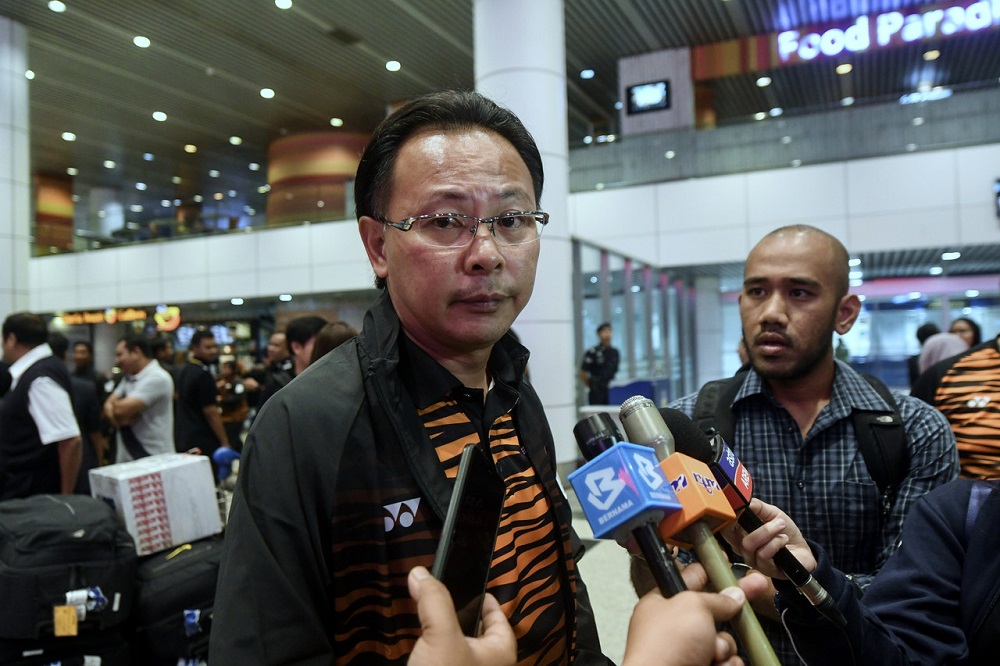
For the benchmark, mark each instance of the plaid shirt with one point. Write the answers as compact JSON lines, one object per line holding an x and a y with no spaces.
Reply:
{"x":821,"y":481}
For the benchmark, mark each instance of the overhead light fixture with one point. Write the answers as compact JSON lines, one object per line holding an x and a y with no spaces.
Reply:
{"x":148,"y":157}
{"x":190,"y":148}
{"x":165,"y":203}
{"x":197,"y":198}
{"x":284,"y":298}
{"x":337,"y":122}
{"x":847,"y":101}
{"x":670,"y":154}
{"x":266,"y":93}
{"x":854,"y":262}
{"x":159,"y":116}
{"x":588,"y":139}
{"x":796,"y":163}
{"x":855,"y":275}
{"x":253,"y":166}
{"x":140,"y":186}
{"x":218,"y":196}
{"x":936,"y":270}
{"x":776,"y":111}
{"x":214,"y":173}
{"x":68,"y":136}
{"x":235,"y":140}
{"x":176,"y":180}
{"x":28,"y":74}
{"x":760,"y":115}
{"x":109,"y":164}
{"x":763,"y":81}
{"x":393,"y":66}
{"x":786,"y":139}
{"x":918,"y":121}
{"x":619,"y":106}
{"x":915,"y":295}
{"x":856,"y":283}
{"x":586,"y":74}
{"x":283,"y":4}
{"x":910,"y":147}
{"x":971,"y":293}
{"x":232,"y":194}
{"x":933,"y":54}
{"x":57,"y":7}
{"x":177,"y":202}
{"x":72,"y":171}
{"x":236,"y":301}
{"x":950,"y":256}
{"x":263,"y":189}
{"x":845,"y":68}
{"x":135,"y":208}
{"x":141,"y":42}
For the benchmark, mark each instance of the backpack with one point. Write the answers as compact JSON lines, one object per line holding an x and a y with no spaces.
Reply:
{"x":881,"y":435}
{"x":985,"y":640}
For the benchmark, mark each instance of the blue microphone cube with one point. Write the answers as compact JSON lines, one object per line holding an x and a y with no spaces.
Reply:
{"x":621,"y":485}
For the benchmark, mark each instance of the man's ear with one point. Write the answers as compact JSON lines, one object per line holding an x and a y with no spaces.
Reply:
{"x":373,"y":236}
{"x":847,"y":313}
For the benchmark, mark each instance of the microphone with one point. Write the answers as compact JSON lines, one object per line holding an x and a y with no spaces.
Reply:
{"x":705,"y":507}
{"x":623,"y":490}
{"x":737,"y":485}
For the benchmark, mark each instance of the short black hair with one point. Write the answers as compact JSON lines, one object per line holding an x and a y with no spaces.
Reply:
{"x":29,"y":328}
{"x":133,"y":342}
{"x":302,"y":329}
{"x":449,"y":110}
{"x":199,"y":335}
{"x":603,"y":326}
{"x":925,"y":331}
{"x":90,"y":347}
{"x":59,"y":344}
{"x":159,"y":343}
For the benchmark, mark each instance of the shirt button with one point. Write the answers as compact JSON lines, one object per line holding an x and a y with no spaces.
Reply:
{"x":801,"y":484}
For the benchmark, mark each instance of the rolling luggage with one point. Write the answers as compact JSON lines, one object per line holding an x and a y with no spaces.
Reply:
{"x":60,"y":556}
{"x":107,"y":648}
{"x":176,"y":596}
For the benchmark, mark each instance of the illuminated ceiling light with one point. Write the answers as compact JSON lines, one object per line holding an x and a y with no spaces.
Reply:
{"x":933,"y":54}
{"x":165,"y":203}
{"x":266,"y":93}
{"x":393,"y":66}
{"x":72,"y":171}
{"x":232,"y":194}
{"x":28,"y":74}
{"x":197,"y":198}
{"x":177,"y":202}
{"x":856,"y":283}
{"x":971,"y":293}
{"x":619,"y":106}
{"x":586,"y":74}
{"x":148,"y":157}
{"x":855,"y":275}
{"x":68,"y":136}
{"x":135,"y":208}
{"x":249,"y":211}
{"x":786,"y":139}
{"x":214,"y":173}
{"x":610,"y":137}
{"x":936,"y":270}
{"x":263,"y":189}
{"x":760,"y":115}
{"x":763,"y":81}
{"x":218,"y":196}
{"x":236,"y":301}
{"x":253,"y":166}
{"x":796,"y":163}
{"x":109,"y":164}
{"x":918,"y":121}
{"x":593,"y":279}
{"x":141,"y":42}
{"x":284,"y":298}
{"x":283,"y":4}
{"x":588,"y":139}
{"x":235,"y":140}
{"x":776,"y":111}
{"x":845,"y":68}
{"x":159,"y":116}
{"x":915,"y":295}
{"x":847,"y":101}
{"x":140,"y":186}
{"x":924,"y":86}
{"x":57,"y":7}
{"x":854,"y":262}
{"x":76,"y":199}
{"x":599,"y":186}
{"x":190,"y":148}
{"x":670,"y":154}
{"x":337,"y":122}
{"x":950,"y":256}
{"x":176,"y":180}
{"x":862,"y":297}
{"x":910,"y":147}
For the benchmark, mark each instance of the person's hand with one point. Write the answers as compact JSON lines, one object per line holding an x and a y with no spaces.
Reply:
{"x":443,"y":643}
{"x":759,"y":547}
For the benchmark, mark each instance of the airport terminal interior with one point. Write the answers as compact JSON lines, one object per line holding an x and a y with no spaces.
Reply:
{"x":170,"y":166}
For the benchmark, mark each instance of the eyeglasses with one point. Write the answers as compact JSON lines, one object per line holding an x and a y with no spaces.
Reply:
{"x":457,"y":230}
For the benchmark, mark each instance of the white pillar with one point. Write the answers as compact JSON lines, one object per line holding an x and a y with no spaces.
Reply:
{"x":15,"y":169}
{"x":520,"y":63}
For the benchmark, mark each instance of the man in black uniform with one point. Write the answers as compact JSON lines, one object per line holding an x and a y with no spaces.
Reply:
{"x":197,"y":421}
{"x":600,"y":364}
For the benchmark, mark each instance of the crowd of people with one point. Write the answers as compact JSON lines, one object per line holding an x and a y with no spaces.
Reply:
{"x":348,"y":469}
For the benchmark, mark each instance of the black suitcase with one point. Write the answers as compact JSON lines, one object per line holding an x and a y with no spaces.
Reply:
{"x":106,"y":649}
{"x":175,"y":599}
{"x":58,"y":550}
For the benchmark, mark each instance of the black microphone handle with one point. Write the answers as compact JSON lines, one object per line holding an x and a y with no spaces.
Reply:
{"x":661,"y":562}
{"x":808,"y":586}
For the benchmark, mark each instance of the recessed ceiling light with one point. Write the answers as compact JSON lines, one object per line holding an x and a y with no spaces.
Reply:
{"x":910,"y":147}
{"x":619,"y":106}
{"x":847,"y":101}
{"x":232,"y":194}
{"x":763,"y":81}
{"x":135,"y":208}
{"x":176,"y":180}
{"x":197,"y":198}
{"x":337,"y":122}
{"x":218,"y":196}
{"x":950,"y":256}
{"x":68,"y":136}
{"x":796,"y":163}
{"x":266,"y":93}
{"x":159,"y":116}
{"x":72,"y":171}
{"x":393,"y":65}
{"x":933,"y":54}
{"x":856,"y":283}
{"x":254,"y":166}
{"x":936,"y":270}
{"x":57,"y":7}
{"x":177,"y":202}
{"x":263,"y":189}
{"x":109,"y":164}
{"x":165,"y":203}
{"x":915,"y":295}
{"x":971,"y":293}
{"x":845,"y":68}
{"x":283,"y":4}
{"x":760,"y":115}
{"x":917,"y":121}
{"x":776,"y":111}
{"x":588,"y":139}
{"x":140,"y":186}
{"x":190,"y":148}
{"x":28,"y":74}
{"x":235,"y":140}
{"x":284,"y":298}
{"x":214,"y":173}
{"x":586,"y":74}
{"x":855,"y":275}
{"x":141,"y":42}
{"x":786,"y":139}
{"x":854,"y":262}
{"x":148,"y":157}
{"x":670,"y":154}
{"x":236,"y":301}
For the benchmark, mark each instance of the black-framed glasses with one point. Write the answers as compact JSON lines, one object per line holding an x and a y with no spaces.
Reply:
{"x":458,"y":230}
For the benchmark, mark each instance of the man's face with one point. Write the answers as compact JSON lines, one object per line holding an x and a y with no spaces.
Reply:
{"x":277,"y":350}
{"x":127,"y":360}
{"x":81,"y":356}
{"x":166,"y":352}
{"x":453,"y":301}
{"x":789,"y":305}
{"x":304,"y":352}
{"x":605,"y":336}
{"x":206,"y":351}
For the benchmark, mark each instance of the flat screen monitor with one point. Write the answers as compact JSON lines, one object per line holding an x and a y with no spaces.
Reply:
{"x":652,"y":96}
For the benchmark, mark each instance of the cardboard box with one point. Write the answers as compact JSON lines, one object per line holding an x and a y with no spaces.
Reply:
{"x":165,"y":500}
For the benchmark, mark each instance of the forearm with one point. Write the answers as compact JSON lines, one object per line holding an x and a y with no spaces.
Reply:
{"x":215,"y":423}
{"x":69,"y":464}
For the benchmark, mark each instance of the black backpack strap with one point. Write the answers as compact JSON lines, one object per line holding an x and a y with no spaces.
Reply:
{"x":712,"y":407}
{"x":882,"y":442}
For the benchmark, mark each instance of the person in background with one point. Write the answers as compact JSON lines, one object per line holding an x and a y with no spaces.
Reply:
{"x":83,"y":367}
{"x":600,"y":365}
{"x":913,"y":363}
{"x":939,"y":347}
{"x":162,"y":349}
{"x":198,"y":424}
{"x":330,"y":337}
{"x":968,"y":330}
{"x":39,"y":436}
{"x":232,"y":402}
{"x":301,"y":336}
{"x":142,"y":405}
{"x":278,"y":367}
{"x":86,"y":408}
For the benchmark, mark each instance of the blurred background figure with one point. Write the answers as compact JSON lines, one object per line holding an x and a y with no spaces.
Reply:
{"x":913,"y":363}
{"x":233,"y":402}
{"x":939,"y":347}
{"x":968,"y":330}
{"x":87,"y":409}
{"x":330,"y":337}
{"x":83,"y":368}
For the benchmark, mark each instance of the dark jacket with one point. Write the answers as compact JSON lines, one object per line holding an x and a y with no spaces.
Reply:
{"x":339,"y":495}
{"x":928,"y":600}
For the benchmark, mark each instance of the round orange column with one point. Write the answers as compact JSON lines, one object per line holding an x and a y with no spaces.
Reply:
{"x":307,"y":174}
